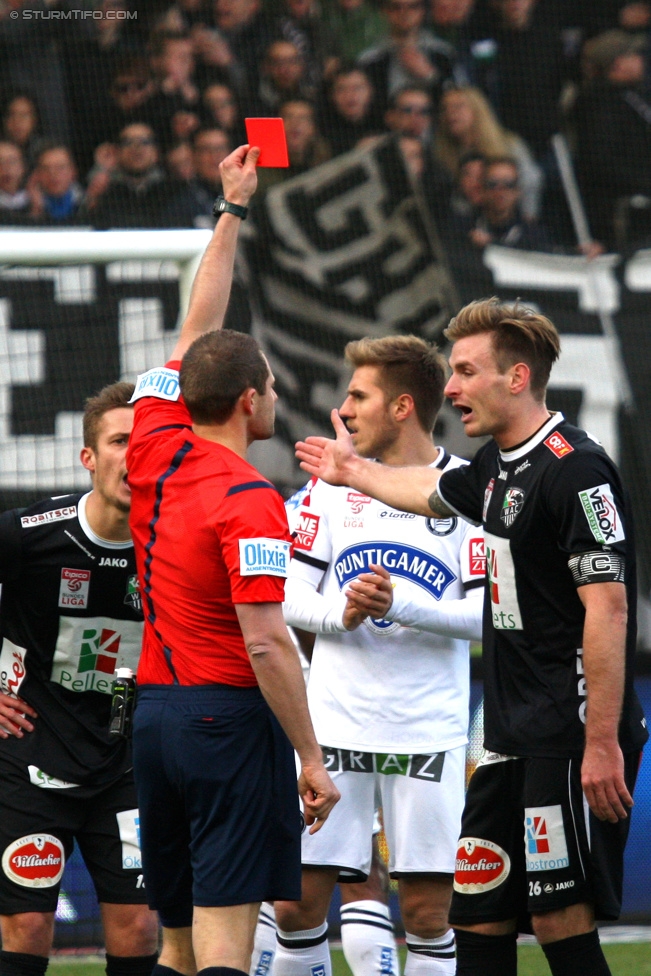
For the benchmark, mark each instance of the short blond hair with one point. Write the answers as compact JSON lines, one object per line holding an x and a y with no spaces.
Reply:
{"x":519,"y":335}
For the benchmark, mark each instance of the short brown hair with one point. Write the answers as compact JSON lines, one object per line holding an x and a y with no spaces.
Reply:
{"x":215,"y":371}
{"x":408,"y":365}
{"x":519,"y":335}
{"x":109,"y":398}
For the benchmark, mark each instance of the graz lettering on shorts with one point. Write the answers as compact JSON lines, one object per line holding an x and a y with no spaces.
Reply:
{"x":264,"y":557}
{"x":428,"y":768}
{"x":34,"y":861}
{"x":159,"y":382}
{"x":480,"y":866}
{"x":56,"y":515}
{"x":407,"y":562}
{"x":601,"y":512}
{"x":597,"y":567}
{"x":544,"y":837}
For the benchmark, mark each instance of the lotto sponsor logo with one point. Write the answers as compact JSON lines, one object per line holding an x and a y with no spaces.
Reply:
{"x":602,"y":514}
{"x":160,"y":382}
{"x":480,"y":866}
{"x":56,"y":515}
{"x":306,"y":530}
{"x":264,"y":557}
{"x":558,"y":445}
{"x":403,"y":561}
{"x":477,"y":557}
{"x":99,"y":650}
{"x":34,"y":861}
{"x":74,"y":587}
{"x":544,"y":835}
{"x":357,"y":501}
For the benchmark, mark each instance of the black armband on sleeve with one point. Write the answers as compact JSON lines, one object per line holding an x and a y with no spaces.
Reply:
{"x":597,"y":567}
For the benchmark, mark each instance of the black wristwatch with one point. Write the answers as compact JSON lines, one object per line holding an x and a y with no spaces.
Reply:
{"x":221,"y":206}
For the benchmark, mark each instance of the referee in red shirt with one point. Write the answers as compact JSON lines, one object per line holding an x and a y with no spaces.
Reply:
{"x":221,"y":698}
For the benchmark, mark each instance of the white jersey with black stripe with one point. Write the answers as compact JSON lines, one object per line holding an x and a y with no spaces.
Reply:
{"x":383,"y":687}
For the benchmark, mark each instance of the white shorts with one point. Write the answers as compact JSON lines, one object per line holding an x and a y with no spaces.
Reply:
{"x":421,"y":799}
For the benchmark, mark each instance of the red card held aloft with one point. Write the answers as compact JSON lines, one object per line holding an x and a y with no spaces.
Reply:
{"x":269,"y":135}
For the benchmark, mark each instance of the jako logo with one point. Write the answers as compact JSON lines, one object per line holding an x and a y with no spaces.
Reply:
{"x":536,"y":832}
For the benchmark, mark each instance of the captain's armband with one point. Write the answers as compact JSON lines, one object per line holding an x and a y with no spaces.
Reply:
{"x":438,"y":506}
{"x":597,"y":567}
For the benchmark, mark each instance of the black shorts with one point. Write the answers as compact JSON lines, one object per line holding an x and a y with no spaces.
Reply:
{"x":529,"y":843}
{"x":220,"y":818}
{"x":38,"y":827}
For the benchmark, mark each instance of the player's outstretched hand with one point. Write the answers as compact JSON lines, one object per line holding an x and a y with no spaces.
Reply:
{"x":370,"y":595}
{"x":14,"y":716}
{"x":318,"y":793}
{"x":329,"y":460}
{"x":239,"y":175}
{"x":602,"y":779}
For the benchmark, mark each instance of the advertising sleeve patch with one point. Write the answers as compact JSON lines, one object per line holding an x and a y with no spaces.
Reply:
{"x":601,"y":512}
{"x":264,"y":557}
{"x":480,"y":866}
{"x":160,"y":382}
{"x":544,"y":838}
{"x":306,"y":530}
{"x":558,"y":445}
{"x":34,"y":861}
{"x":477,"y":557}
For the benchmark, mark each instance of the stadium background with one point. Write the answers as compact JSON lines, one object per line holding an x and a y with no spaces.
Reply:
{"x":359,"y":243}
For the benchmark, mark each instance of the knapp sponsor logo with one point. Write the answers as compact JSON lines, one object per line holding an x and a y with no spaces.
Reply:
{"x":160,"y":382}
{"x":306,"y":530}
{"x":34,"y":861}
{"x":407,"y":562}
{"x":73,"y":590}
{"x":56,"y":515}
{"x":558,"y":445}
{"x":602,"y":515}
{"x":480,"y":866}
{"x":264,"y":557}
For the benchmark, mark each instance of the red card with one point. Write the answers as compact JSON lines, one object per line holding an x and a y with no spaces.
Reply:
{"x":269,"y":135}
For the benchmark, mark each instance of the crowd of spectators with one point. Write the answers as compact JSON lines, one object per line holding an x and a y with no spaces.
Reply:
{"x":120,"y":119}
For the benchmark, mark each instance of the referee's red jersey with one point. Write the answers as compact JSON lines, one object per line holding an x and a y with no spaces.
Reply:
{"x":209,"y":532}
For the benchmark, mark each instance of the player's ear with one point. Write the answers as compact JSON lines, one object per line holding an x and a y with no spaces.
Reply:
{"x":87,"y":458}
{"x":247,"y":400}
{"x":520,"y":377}
{"x":403,"y":406}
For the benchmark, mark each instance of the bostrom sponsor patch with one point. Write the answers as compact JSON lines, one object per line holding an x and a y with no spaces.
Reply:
{"x":602,"y":514}
{"x":544,"y":839}
{"x":55,"y":515}
{"x":160,"y":382}
{"x":73,"y":590}
{"x":480,"y":866}
{"x":34,"y":861}
{"x":129,"y":828}
{"x":306,"y":530}
{"x":558,"y":445}
{"x":264,"y":557}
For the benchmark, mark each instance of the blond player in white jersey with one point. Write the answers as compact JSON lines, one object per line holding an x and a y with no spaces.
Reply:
{"x":394,"y":600}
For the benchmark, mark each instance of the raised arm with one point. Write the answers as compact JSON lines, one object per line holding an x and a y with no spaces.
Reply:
{"x":212,"y":284}
{"x":335,"y":461}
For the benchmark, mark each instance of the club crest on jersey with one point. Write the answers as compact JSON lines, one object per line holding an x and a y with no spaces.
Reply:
{"x":264,"y":557}
{"x":34,"y":861}
{"x":73,"y":590}
{"x":480,"y":866}
{"x":442,"y":526}
{"x":357,"y":501}
{"x":132,"y":598}
{"x":545,"y":844}
{"x":558,"y":445}
{"x":487,"y":498}
{"x":401,"y":560}
{"x":602,"y":515}
{"x":512,"y":505}
{"x":159,"y":382}
{"x":306,"y":530}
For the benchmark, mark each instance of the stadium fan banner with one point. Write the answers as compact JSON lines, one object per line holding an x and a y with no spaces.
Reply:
{"x":340,"y":252}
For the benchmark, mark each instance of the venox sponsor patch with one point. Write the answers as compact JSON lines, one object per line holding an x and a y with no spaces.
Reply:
{"x":407,"y":562}
{"x":480,"y":866}
{"x":601,"y":512}
{"x":264,"y":557}
{"x":34,"y":861}
{"x":55,"y":515}
{"x":159,"y":382}
{"x":544,"y":838}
